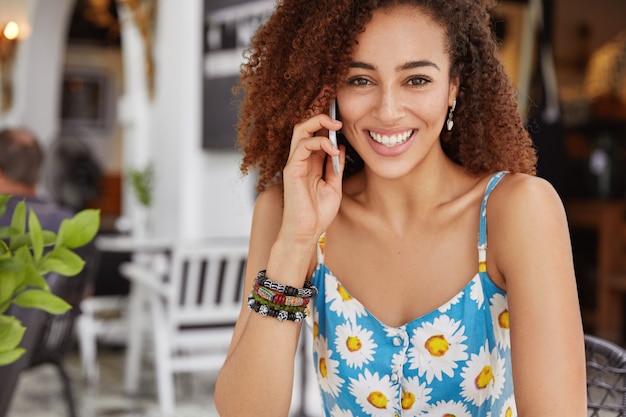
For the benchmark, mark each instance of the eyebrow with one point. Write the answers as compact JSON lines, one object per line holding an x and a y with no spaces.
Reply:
{"x":403,"y":67}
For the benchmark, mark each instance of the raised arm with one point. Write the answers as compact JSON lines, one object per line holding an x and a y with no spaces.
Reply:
{"x":257,"y":377}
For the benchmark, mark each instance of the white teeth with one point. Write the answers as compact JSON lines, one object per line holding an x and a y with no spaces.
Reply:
{"x":391,"y":140}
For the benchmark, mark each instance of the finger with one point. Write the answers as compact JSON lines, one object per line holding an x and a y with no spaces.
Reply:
{"x":310,"y":153}
{"x":316,"y":125}
{"x":332,"y":177}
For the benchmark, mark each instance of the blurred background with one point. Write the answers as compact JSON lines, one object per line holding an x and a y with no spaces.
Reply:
{"x":120,"y":92}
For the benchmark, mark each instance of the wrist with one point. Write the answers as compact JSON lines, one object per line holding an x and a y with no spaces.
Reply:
{"x":289,"y":261}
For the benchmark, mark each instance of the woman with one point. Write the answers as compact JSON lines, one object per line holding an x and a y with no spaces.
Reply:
{"x":413,"y":315}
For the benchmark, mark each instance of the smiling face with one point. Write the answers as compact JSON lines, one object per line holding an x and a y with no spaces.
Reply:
{"x":395,"y":98}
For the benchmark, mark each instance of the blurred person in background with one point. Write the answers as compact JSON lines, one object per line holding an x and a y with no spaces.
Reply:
{"x":21,"y":160}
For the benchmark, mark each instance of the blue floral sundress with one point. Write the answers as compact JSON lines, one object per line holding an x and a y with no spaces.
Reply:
{"x":453,"y":361}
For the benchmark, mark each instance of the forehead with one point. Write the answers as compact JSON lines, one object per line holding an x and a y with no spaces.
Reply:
{"x":401,"y":33}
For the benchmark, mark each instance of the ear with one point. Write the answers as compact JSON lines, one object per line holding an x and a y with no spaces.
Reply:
{"x":453,"y":90}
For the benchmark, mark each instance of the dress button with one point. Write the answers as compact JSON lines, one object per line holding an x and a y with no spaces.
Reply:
{"x":397,"y":341}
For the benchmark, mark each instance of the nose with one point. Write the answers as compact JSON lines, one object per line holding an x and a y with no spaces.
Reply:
{"x":389,"y":106}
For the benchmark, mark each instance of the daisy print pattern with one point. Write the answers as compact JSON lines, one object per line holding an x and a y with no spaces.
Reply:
{"x":415,"y":396}
{"x":375,"y":395}
{"x":338,"y":412}
{"x":447,"y":408}
{"x":355,"y":345}
{"x":341,"y":301}
{"x":437,"y":347}
{"x":500,"y":315}
{"x":452,"y":361}
{"x":450,"y":303}
{"x":476,"y":293}
{"x":509,"y":409}
{"x":327,"y":372}
{"x":483,"y":377}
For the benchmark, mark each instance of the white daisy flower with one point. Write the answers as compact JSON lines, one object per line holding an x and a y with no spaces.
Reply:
{"x":397,"y":361}
{"x":338,"y":412}
{"x":499,"y":308}
{"x":315,"y":328}
{"x":415,"y":396}
{"x":340,"y":301}
{"x":509,"y":409}
{"x":447,"y":306}
{"x":376,"y":396}
{"x":476,"y":293}
{"x":437,"y":347}
{"x":447,"y":408}
{"x":327,"y":372}
{"x":483,"y":377}
{"x":355,"y":344}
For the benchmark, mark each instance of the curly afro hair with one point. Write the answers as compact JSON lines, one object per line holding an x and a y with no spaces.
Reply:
{"x":297,"y":57}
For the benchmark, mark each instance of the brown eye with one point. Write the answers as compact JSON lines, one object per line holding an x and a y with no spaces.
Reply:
{"x":417,"y":81}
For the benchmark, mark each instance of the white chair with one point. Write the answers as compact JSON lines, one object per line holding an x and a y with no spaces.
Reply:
{"x":102,"y":317}
{"x":194,"y":303}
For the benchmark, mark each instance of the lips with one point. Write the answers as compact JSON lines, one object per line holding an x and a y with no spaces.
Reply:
{"x":391,"y":140}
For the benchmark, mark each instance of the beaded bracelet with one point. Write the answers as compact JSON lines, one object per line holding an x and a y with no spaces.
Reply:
{"x":275,"y":306}
{"x":281,"y":315}
{"x":280,"y":298}
{"x":308,"y":291}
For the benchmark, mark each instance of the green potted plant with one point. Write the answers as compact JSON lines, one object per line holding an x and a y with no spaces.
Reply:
{"x":142,"y":184}
{"x":25,"y":258}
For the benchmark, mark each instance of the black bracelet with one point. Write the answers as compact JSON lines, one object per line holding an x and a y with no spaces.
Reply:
{"x":281,"y":315}
{"x":308,"y":291}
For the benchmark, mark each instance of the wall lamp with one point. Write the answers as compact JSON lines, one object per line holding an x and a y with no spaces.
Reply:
{"x":8,"y":46}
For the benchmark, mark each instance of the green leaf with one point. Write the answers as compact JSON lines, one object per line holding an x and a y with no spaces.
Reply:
{"x":8,"y":231}
{"x":10,"y":356}
{"x":11,"y":333}
{"x":9,"y":270}
{"x":80,"y":229}
{"x":18,"y":221}
{"x":61,"y":260}
{"x":36,"y":235}
{"x":4,"y":249}
{"x":42,"y":300}
{"x":49,"y":237}
{"x":32,"y":278}
{"x":4,"y":198}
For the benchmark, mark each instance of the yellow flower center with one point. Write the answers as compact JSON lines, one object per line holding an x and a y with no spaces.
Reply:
{"x":377,"y":399}
{"x":508,"y":412}
{"x":323,"y":369}
{"x":503,"y":319}
{"x":449,"y":415}
{"x":353,"y":343}
{"x":437,"y":345}
{"x":484,"y":378}
{"x":343,"y":293}
{"x":408,"y":400}
{"x":316,"y":329}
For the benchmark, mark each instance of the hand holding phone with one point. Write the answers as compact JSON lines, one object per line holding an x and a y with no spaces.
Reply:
{"x":332,"y":135}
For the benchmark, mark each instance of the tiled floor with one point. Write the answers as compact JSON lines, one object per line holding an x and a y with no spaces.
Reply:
{"x":39,"y":392}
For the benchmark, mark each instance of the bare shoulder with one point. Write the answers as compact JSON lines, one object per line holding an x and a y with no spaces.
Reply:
{"x":520,"y":196}
{"x":527,"y":226}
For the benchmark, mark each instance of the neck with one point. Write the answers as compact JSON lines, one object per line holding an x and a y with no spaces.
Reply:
{"x":13,"y":188}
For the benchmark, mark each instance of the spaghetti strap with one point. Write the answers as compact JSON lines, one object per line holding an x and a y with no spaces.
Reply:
{"x":482,"y":232}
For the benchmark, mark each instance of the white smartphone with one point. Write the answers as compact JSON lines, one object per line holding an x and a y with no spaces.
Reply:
{"x":332,"y":134}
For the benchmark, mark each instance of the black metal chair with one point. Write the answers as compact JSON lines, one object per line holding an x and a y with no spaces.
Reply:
{"x":49,"y":337}
{"x":606,"y":378}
